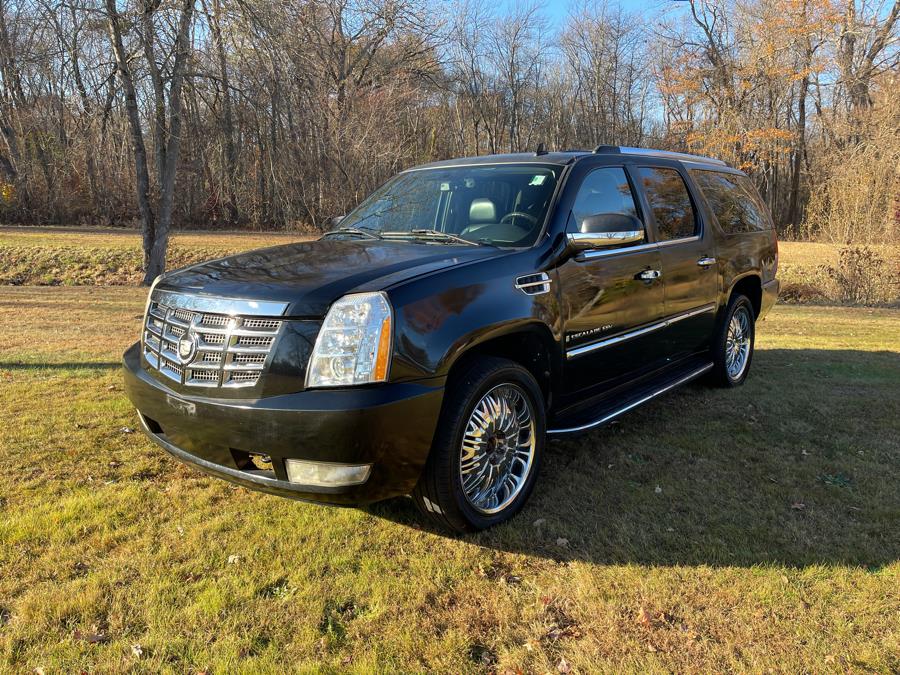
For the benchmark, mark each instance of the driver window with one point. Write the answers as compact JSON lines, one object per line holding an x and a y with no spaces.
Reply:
{"x":604,"y":190}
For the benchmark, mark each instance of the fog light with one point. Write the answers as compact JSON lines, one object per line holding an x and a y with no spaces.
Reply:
{"x":326,"y":474}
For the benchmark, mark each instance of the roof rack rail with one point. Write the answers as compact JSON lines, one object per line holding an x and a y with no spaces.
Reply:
{"x":658,"y":153}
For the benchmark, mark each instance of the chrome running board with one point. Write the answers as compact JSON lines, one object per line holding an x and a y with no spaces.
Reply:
{"x":634,"y":404}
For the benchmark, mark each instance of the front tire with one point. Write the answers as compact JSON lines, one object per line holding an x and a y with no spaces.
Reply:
{"x":488,"y":447}
{"x":734,"y":342}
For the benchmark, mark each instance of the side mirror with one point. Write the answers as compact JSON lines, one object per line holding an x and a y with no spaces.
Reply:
{"x":607,"y":229}
{"x":337,"y":220}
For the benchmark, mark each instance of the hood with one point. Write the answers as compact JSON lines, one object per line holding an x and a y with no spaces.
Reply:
{"x":311,"y":275}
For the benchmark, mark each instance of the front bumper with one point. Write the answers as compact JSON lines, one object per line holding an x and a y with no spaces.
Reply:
{"x":769,"y":297}
{"x":390,"y":426}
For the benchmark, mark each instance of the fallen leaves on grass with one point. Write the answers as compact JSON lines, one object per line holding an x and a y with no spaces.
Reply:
{"x":653,"y":620}
{"x":92,"y":638}
{"x":557,"y":633}
{"x":562,"y":626}
{"x":643,"y":618}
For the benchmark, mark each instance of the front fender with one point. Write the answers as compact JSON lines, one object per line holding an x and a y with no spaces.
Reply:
{"x":440,"y":317}
{"x":518,"y":327}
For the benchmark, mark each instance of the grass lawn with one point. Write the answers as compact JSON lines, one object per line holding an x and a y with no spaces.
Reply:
{"x":710,"y":530}
{"x":55,"y":256}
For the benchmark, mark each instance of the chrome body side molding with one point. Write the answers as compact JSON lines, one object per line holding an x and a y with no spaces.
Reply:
{"x":668,"y":321}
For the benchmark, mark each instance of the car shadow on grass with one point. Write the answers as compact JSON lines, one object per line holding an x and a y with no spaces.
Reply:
{"x":798,"y":467}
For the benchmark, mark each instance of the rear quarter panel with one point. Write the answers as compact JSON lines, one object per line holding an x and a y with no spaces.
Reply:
{"x":746,"y":253}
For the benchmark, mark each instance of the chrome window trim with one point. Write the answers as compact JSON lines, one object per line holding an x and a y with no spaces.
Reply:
{"x":682,"y":240}
{"x":603,"y":253}
{"x":634,"y":404}
{"x":624,"y":337}
{"x":229,"y":306}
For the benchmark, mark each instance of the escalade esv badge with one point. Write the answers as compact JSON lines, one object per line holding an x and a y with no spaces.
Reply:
{"x":402,"y":354}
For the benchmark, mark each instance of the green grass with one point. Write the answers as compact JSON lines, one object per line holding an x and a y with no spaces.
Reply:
{"x":711,"y":530}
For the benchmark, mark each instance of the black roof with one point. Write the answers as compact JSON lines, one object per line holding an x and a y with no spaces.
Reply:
{"x":560,"y":158}
{"x":568,"y":156}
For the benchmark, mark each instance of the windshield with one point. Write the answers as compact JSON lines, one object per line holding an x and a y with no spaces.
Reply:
{"x":500,"y":205}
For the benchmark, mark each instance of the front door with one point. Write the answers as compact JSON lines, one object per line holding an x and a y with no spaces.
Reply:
{"x":687,"y":254}
{"x":612,"y":299}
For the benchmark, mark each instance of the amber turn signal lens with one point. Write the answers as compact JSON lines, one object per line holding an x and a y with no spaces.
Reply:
{"x":384,"y":351}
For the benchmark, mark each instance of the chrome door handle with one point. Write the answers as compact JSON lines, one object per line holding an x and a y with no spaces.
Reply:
{"x":650,"y":275}
{"x":706,"y":262}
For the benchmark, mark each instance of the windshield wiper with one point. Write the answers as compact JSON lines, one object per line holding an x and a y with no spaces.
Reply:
{"x":436,"y":234}
{"x":364,"y":231}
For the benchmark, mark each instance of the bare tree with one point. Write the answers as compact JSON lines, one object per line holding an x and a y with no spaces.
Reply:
{"x":282,"y":114}
{"x":156,"y":217}
{"x":602,"y":49}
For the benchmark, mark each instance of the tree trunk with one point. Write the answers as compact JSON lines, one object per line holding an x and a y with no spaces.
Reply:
{"x":152,"y":267}
{"x":173,"y":144}
{"x":794,"y":211}
{"x":227,"y":126}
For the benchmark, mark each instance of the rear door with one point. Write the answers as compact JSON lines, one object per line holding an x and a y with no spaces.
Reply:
{"x":611,"y":299}
{"x":687,"y":254}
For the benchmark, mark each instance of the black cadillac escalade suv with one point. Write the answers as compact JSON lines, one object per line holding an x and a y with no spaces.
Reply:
{"x":431,"y":341}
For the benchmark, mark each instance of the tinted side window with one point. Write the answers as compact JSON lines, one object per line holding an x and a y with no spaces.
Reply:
{"x":670,"y":202}
{"x":734,"y":200}
{"x":604,"y":190}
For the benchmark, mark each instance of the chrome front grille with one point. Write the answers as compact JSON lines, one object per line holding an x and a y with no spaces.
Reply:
{"x":219,"y":349}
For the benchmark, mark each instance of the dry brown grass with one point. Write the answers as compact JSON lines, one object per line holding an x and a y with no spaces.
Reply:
{"x":85,"y":257}
{"x":769,"y":545}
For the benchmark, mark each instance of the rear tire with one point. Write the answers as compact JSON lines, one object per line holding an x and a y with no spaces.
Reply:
{"x":733,"y":344}
{"x":487,"y":449}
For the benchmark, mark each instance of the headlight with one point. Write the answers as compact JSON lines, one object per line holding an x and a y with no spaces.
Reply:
{"x":354,"y":344}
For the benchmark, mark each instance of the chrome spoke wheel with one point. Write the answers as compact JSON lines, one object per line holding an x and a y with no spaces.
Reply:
{"x":497,"y":449}
{"x":737,"y":343}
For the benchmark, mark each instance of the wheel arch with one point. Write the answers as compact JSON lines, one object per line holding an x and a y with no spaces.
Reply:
{"x":749,"y":284}
{"x":531,"y":345}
